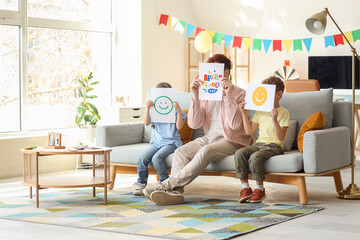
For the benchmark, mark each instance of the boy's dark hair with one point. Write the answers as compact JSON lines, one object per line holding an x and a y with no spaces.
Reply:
{"x":275,"y":81}
{"x":221,"y":58}
{"x":163,"y":85}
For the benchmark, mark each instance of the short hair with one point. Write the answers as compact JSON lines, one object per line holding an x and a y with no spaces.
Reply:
{"x":221,"y":58}
{"x":163,"y":85}
{"x":275,"y":81}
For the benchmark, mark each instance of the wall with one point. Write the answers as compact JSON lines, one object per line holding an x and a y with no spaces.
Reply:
{"x":164,"y":54}
{"x":11,"y":159}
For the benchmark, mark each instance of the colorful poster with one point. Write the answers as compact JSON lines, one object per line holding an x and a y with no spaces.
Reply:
{"x":210,"y":75}
{"x":163,"y":109}
{"x":260,"y":97}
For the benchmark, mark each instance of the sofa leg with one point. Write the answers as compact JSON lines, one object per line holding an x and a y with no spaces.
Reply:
{"x":112,"y":177}
{"x":302,"y":190}
{"x":338,"y":181}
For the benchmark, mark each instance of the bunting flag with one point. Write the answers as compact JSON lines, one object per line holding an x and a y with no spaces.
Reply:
{"x":189,"y":29}
{"x":307,"y":42}
{"x":287,"y":45}
{"x":349,"y":36}
{"x":218,"y":38}
{"x":237,"y":42}
{"x":267,"y":44}
{"x":170,"y":22}
{"x":334,"y":40}
{"x":180,"y":26}
{"x":228,"y":39}
{"x":297,"y":44}
{"x":329,"y":41}
{"x":198,"y":30}
{"x":257,"y":44}
{"x":277,"y":45}
{"x":247,"y":43}
{"x":356,"y":35}
{"x":338,"y":39}
{"x":163,"y":19}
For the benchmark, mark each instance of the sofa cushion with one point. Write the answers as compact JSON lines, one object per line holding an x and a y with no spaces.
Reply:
{"x":303,"y":104}
{"x":314,"y":122}
{"x":290,"y":136}
{"x":186,"y":131}
{"x":148,"y":134}
{"x":128,"y":154}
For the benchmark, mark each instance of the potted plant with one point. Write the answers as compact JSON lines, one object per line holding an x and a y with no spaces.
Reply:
{"x":87,"y":114}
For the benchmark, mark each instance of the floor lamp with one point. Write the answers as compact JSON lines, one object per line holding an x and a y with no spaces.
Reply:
{"x":316,"y":24}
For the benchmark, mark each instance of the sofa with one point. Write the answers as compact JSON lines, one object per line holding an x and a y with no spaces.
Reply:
{"x":325,"y":152}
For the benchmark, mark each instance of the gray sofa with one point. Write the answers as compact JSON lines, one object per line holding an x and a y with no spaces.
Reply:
{"x":326,"y":152}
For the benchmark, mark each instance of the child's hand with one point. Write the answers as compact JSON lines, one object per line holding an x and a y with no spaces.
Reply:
{"x":177,"y":106}
{"x":149,"y":104}
{"x":242,"y":108}
{"x":227,"y":85}
{"x":274,"y":114}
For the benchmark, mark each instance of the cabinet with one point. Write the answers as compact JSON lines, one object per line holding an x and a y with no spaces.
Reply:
{"x":131,"y":114}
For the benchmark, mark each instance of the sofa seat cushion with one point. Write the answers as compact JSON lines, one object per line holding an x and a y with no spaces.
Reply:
{"x":128,"y":154}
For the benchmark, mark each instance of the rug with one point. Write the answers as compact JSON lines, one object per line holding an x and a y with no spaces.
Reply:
{"x":196,"y":218}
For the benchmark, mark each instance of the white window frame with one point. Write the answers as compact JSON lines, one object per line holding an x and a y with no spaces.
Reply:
{"x":20,"y":18}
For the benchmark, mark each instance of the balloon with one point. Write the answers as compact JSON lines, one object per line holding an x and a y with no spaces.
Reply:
{"x":203,"y":42}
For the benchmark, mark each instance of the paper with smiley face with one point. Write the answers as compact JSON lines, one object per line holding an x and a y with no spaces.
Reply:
{"x":163,"y":109}
{"x":260,"y":97}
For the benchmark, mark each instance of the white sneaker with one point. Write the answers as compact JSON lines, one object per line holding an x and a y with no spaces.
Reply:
{"x":139,"y":187}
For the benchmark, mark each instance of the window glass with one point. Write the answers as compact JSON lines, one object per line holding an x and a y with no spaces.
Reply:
{"x":9,"y":5}
{"x":9,"y":79}
{"x":94,"y":11}
{"x":56,"y":59}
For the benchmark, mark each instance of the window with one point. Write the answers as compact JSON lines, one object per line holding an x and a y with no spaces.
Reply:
{"x":64,"y":39}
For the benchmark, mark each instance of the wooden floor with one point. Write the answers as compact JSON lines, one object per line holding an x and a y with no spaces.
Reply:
{"x":339,"y":220}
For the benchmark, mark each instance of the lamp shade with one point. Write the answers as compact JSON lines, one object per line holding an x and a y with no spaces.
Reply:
{"x":316,"y":24}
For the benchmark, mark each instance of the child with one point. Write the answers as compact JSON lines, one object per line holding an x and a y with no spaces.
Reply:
{"x":166,"y":140}
{"x":272,"y":131}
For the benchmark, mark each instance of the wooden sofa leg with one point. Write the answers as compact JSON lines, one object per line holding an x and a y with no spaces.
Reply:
{"x":302,"y":190}
{"x":338,"y":181}
{"x":112,"y":177}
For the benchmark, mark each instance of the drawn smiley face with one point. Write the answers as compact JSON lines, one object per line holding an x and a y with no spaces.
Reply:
{"x":259,"y":96}
{"x":163,"y":105}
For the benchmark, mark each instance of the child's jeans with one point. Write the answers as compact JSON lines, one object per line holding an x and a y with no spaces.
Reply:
{"x":157,"y":157}
{"x":253,"y":158}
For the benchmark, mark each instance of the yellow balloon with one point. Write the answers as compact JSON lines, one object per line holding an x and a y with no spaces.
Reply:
{"x":203,"y":42}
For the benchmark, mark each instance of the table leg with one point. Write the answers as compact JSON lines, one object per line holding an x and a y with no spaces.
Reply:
{"x":37,"y":179}
{"x":30,"y":192}
{"x":106,"y":159}
{"x":94,"y":188}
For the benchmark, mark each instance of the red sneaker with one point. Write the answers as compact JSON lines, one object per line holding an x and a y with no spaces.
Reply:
{"x":245,"y":194}
{"x":257,"y":196}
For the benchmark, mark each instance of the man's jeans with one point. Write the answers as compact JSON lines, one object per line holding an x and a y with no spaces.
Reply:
{"x":157,"y":157}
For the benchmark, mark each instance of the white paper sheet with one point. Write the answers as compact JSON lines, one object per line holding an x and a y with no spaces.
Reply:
{"x":163,"y":110}
{"x":260,"y":97}
{"x":211,"y":74}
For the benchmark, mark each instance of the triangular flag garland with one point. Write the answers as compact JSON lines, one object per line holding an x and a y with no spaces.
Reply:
{"x":238,"y":41}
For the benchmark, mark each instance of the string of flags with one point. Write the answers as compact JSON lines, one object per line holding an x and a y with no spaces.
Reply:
{"x":257,"y":44}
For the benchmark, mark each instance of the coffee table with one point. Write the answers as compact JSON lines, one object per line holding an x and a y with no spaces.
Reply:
{"x":99,"y":178}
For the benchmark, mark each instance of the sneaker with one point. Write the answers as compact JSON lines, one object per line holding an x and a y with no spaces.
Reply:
{"x":139,"y":187}
{"x":147,"y":191}
{"x":166,"y":197}
{"x":245,"y":194}
{"x":257,"y":196}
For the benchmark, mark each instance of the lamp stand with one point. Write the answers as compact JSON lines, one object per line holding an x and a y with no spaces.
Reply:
{"x":352,"y":191}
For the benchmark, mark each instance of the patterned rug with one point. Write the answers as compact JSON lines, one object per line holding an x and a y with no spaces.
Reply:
{"x":197,"y":218}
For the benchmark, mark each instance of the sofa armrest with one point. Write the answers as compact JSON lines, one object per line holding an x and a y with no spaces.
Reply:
{"x":326,"y":149}
{"x":119,"y":134}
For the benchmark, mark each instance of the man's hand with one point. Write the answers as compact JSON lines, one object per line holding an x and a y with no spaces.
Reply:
{"x":274,"y":114}
{"x":227,"y":85}
{"x":195,"y":87}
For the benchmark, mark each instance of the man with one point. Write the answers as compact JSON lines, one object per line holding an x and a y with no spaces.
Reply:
{"x":224,"y":134}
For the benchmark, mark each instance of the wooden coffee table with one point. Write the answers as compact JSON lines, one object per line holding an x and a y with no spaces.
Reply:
{"x":99,"y":178}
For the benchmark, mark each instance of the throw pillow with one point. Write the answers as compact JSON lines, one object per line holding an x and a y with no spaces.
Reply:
{"x":290,"y":136}
{"x":186,"y":132}
{"x":314,"y":122}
